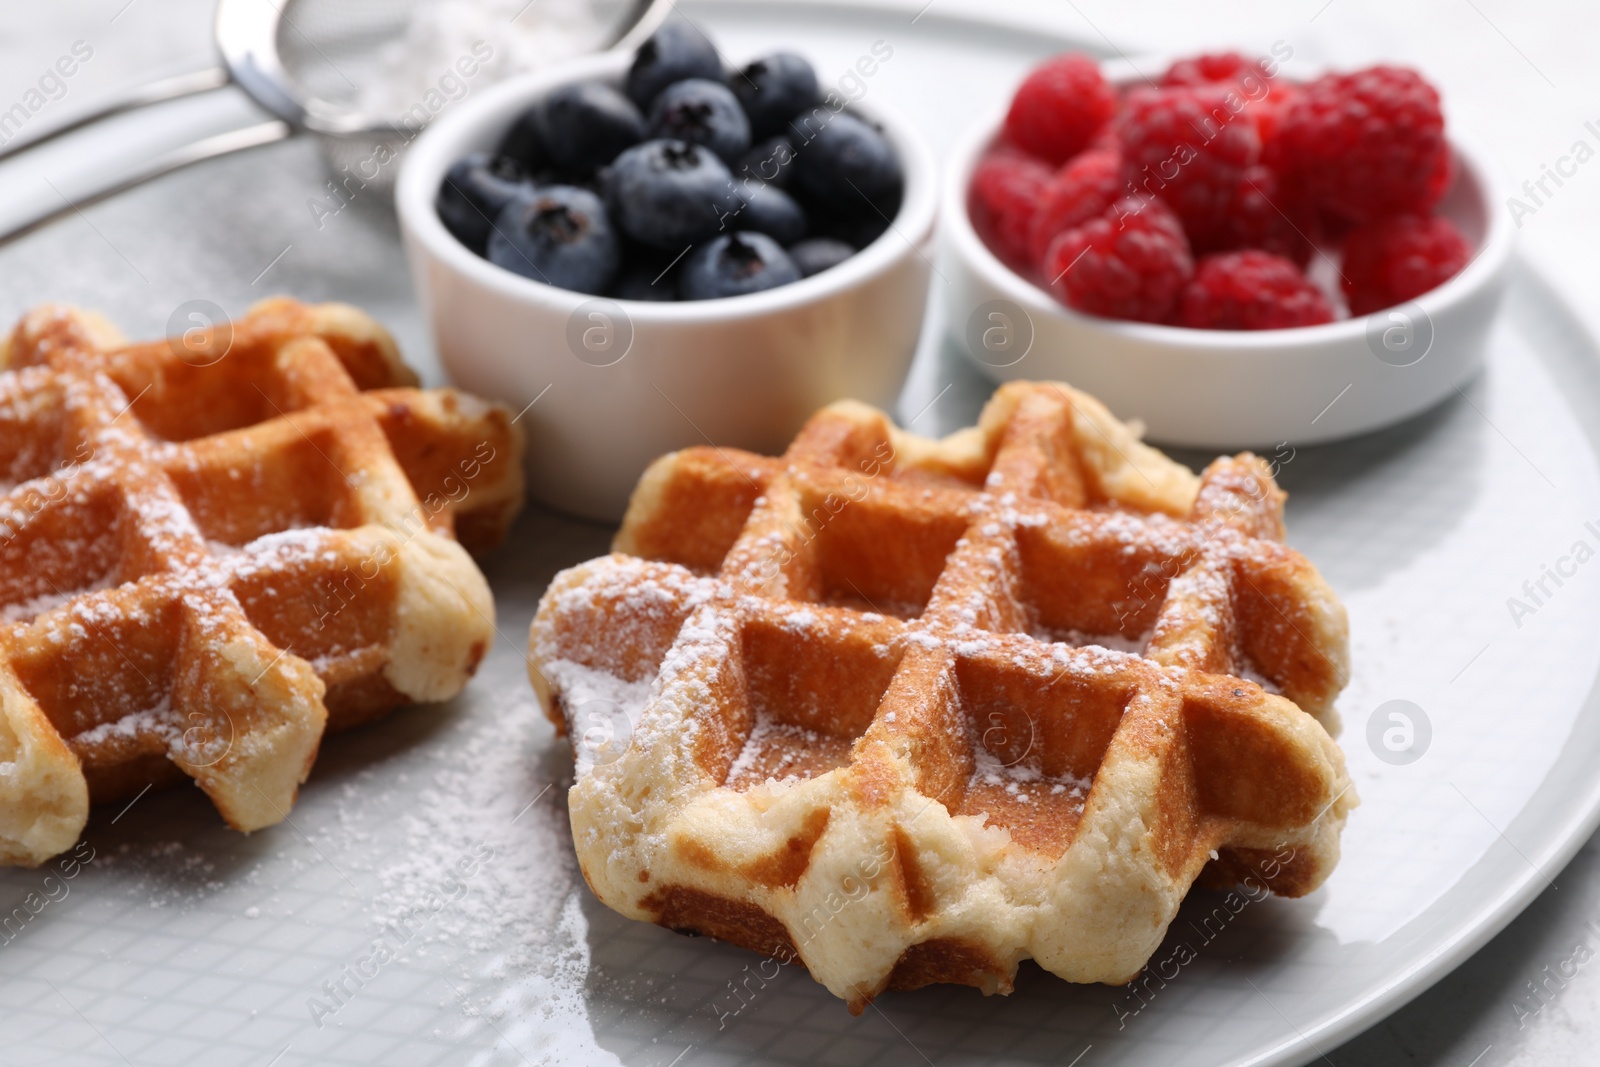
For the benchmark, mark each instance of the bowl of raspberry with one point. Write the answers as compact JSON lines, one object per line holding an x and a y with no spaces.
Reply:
{"x":1234,"y":258}
{"x":647,"y":251}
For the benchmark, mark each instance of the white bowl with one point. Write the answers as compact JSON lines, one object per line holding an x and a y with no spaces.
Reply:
{"x":1225,"y":389}
{"x":615,"y":383}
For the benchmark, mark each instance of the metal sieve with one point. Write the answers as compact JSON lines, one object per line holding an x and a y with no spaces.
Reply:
{"x":312,"y":65}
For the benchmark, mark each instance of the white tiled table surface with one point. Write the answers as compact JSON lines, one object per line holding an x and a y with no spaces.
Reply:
{"x":1520,"y":75}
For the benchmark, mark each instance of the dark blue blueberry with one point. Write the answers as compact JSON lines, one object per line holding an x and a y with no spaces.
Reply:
{"x":647,"y":273}
{"x":704,"y":113}
{"x":858,"y":229}
{"x":474,"y":191}
{"x":560,"y":235}
{"x":587,"y":125}
{"x":735,"y":264}
{"x":770,"y":211}
{"x":524,"y":142}
{"x":674,"y":52}
{"x":773,"y":90}
{"x":770,"y":161}
{"x":842,"y":162}
{"x":818,"y":254}
{"x":669,"y":194}
{"x":646,"y":282}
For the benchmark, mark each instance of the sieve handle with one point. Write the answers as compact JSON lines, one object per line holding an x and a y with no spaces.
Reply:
{"x":117,"y":102}
{"x":645,"y":18}
{"x":222,"y":144}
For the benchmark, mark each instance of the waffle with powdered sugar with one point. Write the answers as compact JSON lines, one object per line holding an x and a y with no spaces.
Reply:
{"x":912,"y":711}
{"x":213,"y":548}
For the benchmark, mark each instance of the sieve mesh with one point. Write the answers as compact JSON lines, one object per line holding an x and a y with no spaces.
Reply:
{"x":378,"y":59}
{"x":330,"y":48}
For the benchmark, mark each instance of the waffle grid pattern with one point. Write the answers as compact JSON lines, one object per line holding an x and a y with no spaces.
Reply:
{"x":865,"y":746}
{"x":209,"y":549}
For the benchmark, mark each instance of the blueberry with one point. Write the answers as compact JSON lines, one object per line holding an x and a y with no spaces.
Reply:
{"x":647,"y":273}
{"x":474,"y":191}
{"x":669,"y":194}
{"x":704,"y":113}
{"x":857,"y":229}
{"x":644,"y":282}
{"x":770,"y":211}
{"x":558,"y":234}
{"x":818,"y":254}
{"x":587,"y":125}
{"x":674,"y":52}
{"x":840,"y":160}
{"x":770,"y":161}
{"x":525,"y":143}
{"x":773,"y":90}
{"x":735,"y":264}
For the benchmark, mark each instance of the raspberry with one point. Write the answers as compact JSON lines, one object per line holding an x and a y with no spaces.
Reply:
{"x":1251,"y":290}
{"x":1267,"y":97}
{"x":1269,"y":113}
{"x":1264,"y":215}
{"x":1059,"y":107}
{"x":1080,"y":191}
{"x":1396,"y":259}
{"x":1190,"y":148}
{"x":1213,"y":67}
{"x":1106,"y":140}
{"x":1129,"y":263}
{"x":1366,"y":144}
{"x":1006,"y":189}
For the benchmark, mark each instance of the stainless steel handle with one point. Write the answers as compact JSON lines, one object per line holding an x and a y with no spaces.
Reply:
{"x":119,"y":101}
{"x":211,"y":147}
{"x":650,"y":14}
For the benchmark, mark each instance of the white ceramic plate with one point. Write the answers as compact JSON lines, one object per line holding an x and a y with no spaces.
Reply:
{"x":181,"y":942}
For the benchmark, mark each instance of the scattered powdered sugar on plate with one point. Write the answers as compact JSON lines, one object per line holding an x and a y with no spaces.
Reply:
{"x":484,"y":886}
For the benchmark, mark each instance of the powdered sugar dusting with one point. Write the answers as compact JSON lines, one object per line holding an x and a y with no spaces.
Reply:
{"x":486,"y":883}
{"x":774,"y":747}
{"x":27,"y":610}
{"x":1023,"y":780}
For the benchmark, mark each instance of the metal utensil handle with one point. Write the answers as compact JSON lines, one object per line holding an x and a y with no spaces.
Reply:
{"x":209,"y":148}
{"x":119,"y":101}
{"x":650,"y":15}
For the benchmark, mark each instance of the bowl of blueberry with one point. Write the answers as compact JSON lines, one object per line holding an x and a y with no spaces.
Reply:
{"x":1235,"y":257}
{"x":660,"y":249}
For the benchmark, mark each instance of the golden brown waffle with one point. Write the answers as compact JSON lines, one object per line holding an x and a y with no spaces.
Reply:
{"x":877,"y":724}
{"x":215,"y":546}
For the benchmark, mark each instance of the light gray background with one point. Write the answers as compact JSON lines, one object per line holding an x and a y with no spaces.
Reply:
{"x":1520,"y":76}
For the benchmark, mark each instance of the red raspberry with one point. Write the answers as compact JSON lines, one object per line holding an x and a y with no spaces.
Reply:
{"x":1266,"y":216}
{"x":1269,"y":113}
{"x":1080,"y":191}
{"x":1059,"y":107}
{"x":1396,"y":259}
{"x":1266,"y":95}
{"x":1366,"y":144}
{"x":1251,"y":290}
{"x":1106,"y":140}
{"x":1006,"y":189}
{"x":1214,"y":67}
{"x":1130,"y":263}
{"x":1190,"y":148}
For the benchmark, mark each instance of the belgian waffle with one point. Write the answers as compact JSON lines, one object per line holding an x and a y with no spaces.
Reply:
{"x":213,"y":547}
{"x":911,"y":711}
